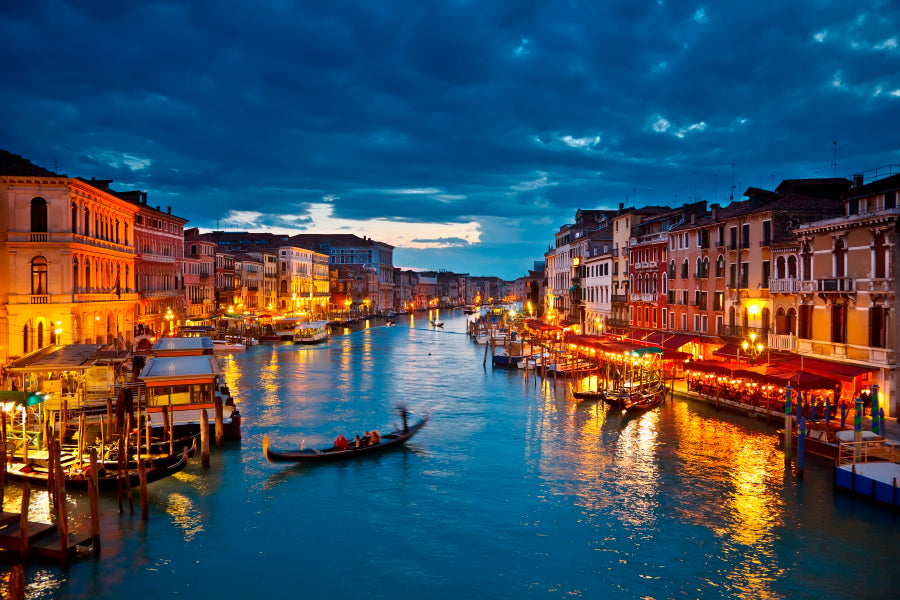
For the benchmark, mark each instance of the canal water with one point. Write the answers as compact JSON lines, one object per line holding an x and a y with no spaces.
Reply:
{"x":512,"y":490}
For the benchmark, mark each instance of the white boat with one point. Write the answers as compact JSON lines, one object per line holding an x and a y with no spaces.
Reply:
{"x":311,"y":332}
{"x":227,"y":346}
{"x":284,"y":327}
{"x":181,"y":388}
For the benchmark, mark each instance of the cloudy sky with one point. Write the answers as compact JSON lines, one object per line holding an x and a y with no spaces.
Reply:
{"x":463,"y":133}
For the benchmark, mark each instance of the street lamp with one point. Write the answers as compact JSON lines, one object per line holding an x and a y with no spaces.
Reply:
{"x":169,"y":317}
{"x":752,"y":348}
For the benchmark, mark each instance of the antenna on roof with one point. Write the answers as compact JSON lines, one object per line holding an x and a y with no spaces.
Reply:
{"x":217,"y":213}
{"x":731,"y":199}
{"x":834,"y":162}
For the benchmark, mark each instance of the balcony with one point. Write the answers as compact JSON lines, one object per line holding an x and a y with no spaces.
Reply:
{"x":40,"y":299}
{"x":839,"y":285}
{"x":741,"y":332}
{"x":784,"y":285}
{"x":621,"y":323}
{"x":619,"y":299}
{"x":159,"y":258}
{"x":701,"y":304}
{"x":765,"y":243}
{"x":38,"y":237}
{"x":646,"y":297}
{"x":881,"y":285}
{"x":786,"y":342}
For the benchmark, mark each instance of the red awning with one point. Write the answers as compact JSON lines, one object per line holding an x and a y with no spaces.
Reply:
{"x":843,"y":371}
{"x":676,"y":341}
{"x":708,"y":366}
{"x":729,"y":351}
{"x":567,"y":323}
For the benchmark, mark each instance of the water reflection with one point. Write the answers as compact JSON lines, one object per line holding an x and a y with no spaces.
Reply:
{"x":183,"y":513}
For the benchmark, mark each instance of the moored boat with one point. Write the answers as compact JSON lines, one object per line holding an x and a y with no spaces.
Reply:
{"x":589,"y":395}
{"x":108,"y":479}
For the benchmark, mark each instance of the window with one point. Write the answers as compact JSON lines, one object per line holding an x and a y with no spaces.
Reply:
{"x":890,"y":200}
{"x":39,"y":276}
{"x":39,"y":215}
{"x":840,"y":254}
{"x":74,"y":218}
{"x":720,"y":236}
{"x":684,"y":269}
{"x":767,"y":233}
{"x":805,"y":322}
{"x":765,"y":274}
{"x":806,"y":262}
{"x":720,"y":266}
{"x":75,"y":281}
{"x":880,"y":256}
{"x":839,"y":324}
{"x":878,"y":316}
{"x":719,"y":301}
{"x":733,"y":244}
{"x":87,"y":222}
{"x":745,"y":275}
{"x":745,"y":236}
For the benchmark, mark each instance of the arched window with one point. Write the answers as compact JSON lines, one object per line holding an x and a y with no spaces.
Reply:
{"x":806,"y":257}
{"x":720,"y":266}
{"x":87,"y":222}
{"x":39,"y":215}
{"x":125,"y":230}
{"x":840,"y":253}
{"x":284,"y":284}
{"x":879,"y":270}
{"x":74,"y":218}
{"x":792,"y":267}
{"x":88,"y":284}
{"x":39,"y":276}
{"x":25,"y":339}
{"x":75,"y":283}
{"x":780,"y":269}
{"x":117,"y":231}
{"x":40,"y":335}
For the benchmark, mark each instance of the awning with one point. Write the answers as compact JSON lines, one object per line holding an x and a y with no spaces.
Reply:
{"x":566,"y":323}
{"x":802,"y":380}
{"x":708,"y":366}
{"x":730,"y":351}
{"x":574,"y":288}
{"x":843,"y":371}
{"x":677,"y":340}
{"x":73,"y":357}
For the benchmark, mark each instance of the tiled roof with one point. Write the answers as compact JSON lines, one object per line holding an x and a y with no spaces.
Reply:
{"x":13,"y":164}
{"x":876,"y":187}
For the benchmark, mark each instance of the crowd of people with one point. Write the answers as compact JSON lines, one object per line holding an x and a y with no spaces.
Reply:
{"x":369,"y":438}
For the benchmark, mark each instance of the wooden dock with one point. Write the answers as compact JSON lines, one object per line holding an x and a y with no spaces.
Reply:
{"x":39,"y":539}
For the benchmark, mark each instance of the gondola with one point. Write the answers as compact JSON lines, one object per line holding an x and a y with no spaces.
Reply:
{"x":394,"y":439}
{"x":590,"y":395}
{"x":646,"y":401}
{"x":437,"y":323}
{"x":159,"y":469}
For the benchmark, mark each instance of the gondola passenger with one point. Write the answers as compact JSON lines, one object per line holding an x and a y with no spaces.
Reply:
{"x":341,"y":442}
{"x":374,"y":438}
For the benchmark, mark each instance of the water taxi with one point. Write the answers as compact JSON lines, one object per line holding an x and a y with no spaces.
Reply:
{"x":311,"y":332}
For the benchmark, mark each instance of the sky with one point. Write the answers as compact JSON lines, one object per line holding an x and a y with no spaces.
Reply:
{"x":463,"y":133}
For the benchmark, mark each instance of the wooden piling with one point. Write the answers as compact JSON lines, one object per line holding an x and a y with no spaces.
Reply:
{"x":120,"y":483}
{"x":109,"y":418}
{"x":486,"y":345}
{"x":165,"y":417}
{"x":23,"y":520}
{"x":62,"y":522}
{"x":2,"y":455}
{"x":145,"y":502}
{"x":171,"y":430}
{"x":94,"y":500}
{"x":220,"y":423}
{"x":16,"y":588}
{"x":204,"y":439}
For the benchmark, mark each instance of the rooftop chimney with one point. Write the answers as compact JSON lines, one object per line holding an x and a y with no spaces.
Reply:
{"x":621,"y":206}
{"x":169,"y":209}
{"x":857,"y":180}
{"x":714,"y":209}
{"x":693,"y":218}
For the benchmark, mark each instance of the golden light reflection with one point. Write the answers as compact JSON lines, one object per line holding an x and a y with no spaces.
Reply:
{"x":184,"y":515}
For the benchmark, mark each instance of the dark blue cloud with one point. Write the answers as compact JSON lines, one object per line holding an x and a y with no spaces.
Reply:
{"x":514,"y":114}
